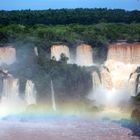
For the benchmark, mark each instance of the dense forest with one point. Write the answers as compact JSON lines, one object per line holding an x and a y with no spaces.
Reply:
{"x":68,"y":16}
{"x":44,"y":36}
{"x":70,"y":80}
{"x":46,"y":27}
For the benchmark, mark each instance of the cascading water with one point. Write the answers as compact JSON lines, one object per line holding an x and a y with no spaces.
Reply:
{"x":57,"y":50}
{"x":36,"y":51}
{"x":7,"y":55}
{"x":106,"y":95}
{"x":134,"y":82}
{"x":84,"y":55}
{"x":53,"y":97}
{"x":124,"y":52}
{"x":10,"y":88}
{"x":30,"y":93}
{"x":120,"y":73}
{"x":111,"y":84}
{"x":115,"y":87}
{"x":10,"y":101}
{"x":122,"y":60}
{"x":106,"y":79}
{"x":96,"y":81}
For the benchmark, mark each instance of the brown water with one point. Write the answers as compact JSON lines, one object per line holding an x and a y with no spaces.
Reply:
{"x":65,"y":129}
{"x":7,"y":55}
{"x":124,"y":52}
{"x":84,"y":55}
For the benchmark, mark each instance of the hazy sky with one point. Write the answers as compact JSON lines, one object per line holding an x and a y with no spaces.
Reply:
{"x":45,"y":4}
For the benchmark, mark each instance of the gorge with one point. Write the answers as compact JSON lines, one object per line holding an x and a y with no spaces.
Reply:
{"x":69,"y":93}
{"x":116,"y":79}
{"x":69,"y":74}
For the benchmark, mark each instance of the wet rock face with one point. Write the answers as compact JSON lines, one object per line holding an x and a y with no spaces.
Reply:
{"x":136,"y":115}
{"x":124,"y":52}
{"x":7,"y":55}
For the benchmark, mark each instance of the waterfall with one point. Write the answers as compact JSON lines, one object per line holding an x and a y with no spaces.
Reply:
{"x":122,"y":60}
{"x":120,"y":73}
{"x":134,"y":82}
{"x":36,"y":51}
{"x":7,"y":55}
{"x":116,"y":87}
{"x":102,"y":93}
{"x":84,"y":55}
{"x":138,"y":85}
{"x":53,"y":97}
{"x":30,"y":93}
{"x":10,"y":88}
{"x":57,"y":50}
{"x":124,"y":52}
{"x":10,"y":101}
{"x":106,"y":78}
{"x":96,"y":81}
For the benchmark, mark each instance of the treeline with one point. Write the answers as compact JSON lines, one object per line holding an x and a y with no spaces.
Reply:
{"x":69,"y":16}
{"x":44,"y":36}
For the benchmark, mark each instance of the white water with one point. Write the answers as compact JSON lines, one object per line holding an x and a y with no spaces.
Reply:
{"x":53,"y":97}
{"x":57,"y":50}
{"x":36,"y":51}
{"x":115,"y":86}
{"x":109,"y":99}
{"x":84,"y":55}
{"x":109,"y":90}
{"x":95,"y":81}
{"x":10,"y":101}
{"x":30,"y":93}
{"x":10,"y":88}
{"x":120,"y":73}
{"x":7,"y":55}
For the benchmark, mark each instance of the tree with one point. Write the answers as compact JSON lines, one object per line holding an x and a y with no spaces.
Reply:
{"x":63,"y":58}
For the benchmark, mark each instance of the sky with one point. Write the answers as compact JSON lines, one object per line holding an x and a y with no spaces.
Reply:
{"x":57,"y":4}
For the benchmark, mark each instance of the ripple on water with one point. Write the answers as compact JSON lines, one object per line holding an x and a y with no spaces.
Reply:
{"x":62,"y":129}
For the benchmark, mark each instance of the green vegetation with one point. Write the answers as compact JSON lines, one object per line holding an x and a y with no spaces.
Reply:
{"x":27,"y":29}
{"x":43,"y":36}
{"x":70,"y":81}
{"x":68,"y":16}
{"x":96,"y":27}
